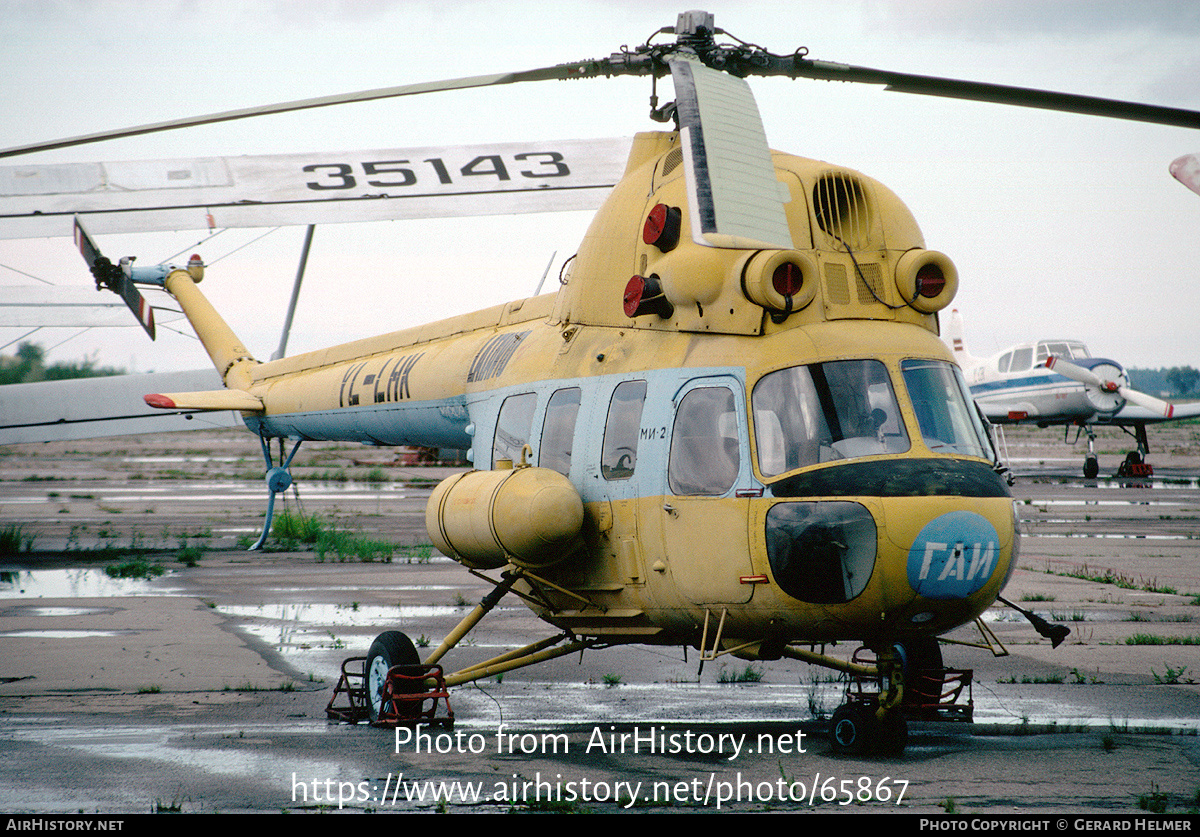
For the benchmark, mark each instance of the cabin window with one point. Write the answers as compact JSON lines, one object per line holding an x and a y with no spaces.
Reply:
{"x":1022,"y":360}
{"x":619,"y":454}
{"x":1004,"y":362}
{"x":843,"y":409}
{"x":948,"y":419}
{"x":513,"y":427}
{"x":705,"y":459}
{"x":558,"y":431}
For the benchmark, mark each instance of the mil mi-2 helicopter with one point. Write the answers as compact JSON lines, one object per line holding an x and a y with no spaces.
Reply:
{"x":734,"y":427}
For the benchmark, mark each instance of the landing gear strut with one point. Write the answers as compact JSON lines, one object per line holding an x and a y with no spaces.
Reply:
{"x":874,"y":723}
{"x":396,"y":688}
{"x":279,"y":478}
{"x":906,"y":680}
{"x":1091,"y":463}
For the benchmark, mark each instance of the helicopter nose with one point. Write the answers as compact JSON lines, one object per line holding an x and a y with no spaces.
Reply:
{"x":951,"y":557}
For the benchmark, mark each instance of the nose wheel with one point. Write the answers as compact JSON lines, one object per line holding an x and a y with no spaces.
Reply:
{"x":857,"y":729}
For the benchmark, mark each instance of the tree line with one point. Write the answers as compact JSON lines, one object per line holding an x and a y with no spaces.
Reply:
{"x":1176,"y":380}
{"x":29,"y":365}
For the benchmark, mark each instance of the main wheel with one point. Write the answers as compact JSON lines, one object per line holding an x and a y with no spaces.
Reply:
{"x":390,"y":648}
{"x":893,"y":735}
{"x":922,"y":660}
{"x":850,"y":730}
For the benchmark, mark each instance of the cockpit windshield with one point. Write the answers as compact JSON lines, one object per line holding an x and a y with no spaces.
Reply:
{"x":948,"y":418}
{"x":807,"y":415}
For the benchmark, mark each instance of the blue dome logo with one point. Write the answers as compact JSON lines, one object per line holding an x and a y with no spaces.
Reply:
{"x":954,"y":556}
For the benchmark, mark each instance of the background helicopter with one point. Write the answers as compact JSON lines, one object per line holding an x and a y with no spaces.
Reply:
{"x":785,"y":311}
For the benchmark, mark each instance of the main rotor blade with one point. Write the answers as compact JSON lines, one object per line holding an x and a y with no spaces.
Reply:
{"x":985,"y":92}
{"x":561,"y":71}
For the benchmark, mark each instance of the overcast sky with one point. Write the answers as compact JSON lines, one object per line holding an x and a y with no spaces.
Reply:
{"x":1061,"y":225}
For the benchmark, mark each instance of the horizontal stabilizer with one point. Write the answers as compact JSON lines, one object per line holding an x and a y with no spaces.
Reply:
{"x":87,"y":408}
{"x":216,"y":399}
{"x":297,"y":189}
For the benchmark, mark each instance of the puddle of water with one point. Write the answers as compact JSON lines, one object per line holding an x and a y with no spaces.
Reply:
{"x":1114,"y":536}
{"x":1137,"y":502}
{"x":346,"y":616}
{"x":88,"y":583}
{"x":50,"y":634}
{"x":56,"y":611}
{"x":159,"y":744}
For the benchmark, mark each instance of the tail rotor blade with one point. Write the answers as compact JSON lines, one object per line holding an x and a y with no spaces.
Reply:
{"x":111,"y":276}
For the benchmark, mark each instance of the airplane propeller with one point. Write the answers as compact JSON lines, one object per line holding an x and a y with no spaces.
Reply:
{"x":695,"y":40}
{"x":1089,"y":378}
{"x":1186,"y":170}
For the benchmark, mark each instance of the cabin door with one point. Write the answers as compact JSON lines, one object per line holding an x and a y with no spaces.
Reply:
{"x":704,"y":522}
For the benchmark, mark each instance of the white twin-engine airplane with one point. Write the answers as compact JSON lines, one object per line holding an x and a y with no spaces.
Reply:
{"x":1058,"y":382}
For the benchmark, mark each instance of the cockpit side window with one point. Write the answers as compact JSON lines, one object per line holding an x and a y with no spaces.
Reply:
{"x":947,"y":416}
{"x":618,"y":457}
{"x":705,"y":458}
{"x":1022,"y":359}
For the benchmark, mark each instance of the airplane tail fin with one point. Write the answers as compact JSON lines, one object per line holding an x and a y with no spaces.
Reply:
{"x":958,"y":343}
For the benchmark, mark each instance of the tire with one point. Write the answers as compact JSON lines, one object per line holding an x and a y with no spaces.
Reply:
{"x":390,"y":648}
{"x":1091,"y":468}
{"x":893,"y":735}
{"x":851,"y":728}
{"x":922,"y":657}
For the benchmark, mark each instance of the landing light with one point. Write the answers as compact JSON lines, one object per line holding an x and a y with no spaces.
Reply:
{"x":643,"y":295}
{"x":662,"y":225}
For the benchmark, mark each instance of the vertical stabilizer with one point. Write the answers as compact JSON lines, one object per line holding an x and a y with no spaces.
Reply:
{"x":958,"y":342}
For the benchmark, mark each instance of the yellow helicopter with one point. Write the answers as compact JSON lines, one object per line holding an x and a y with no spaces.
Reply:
{"x":733,"y":428}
